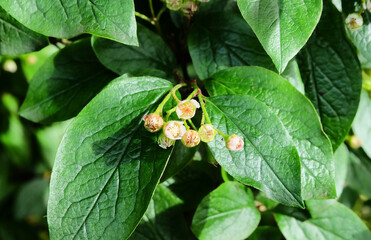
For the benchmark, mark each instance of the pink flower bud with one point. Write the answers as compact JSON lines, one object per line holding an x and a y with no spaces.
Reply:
{"x":174,"y":130}
{"x":153,"y":122}
{"x":355,"y":142}
{"x":207,"y":133}
{"x":191,"y":138}
{"x":187,"y":109}
{"x":354,"y":21}
{"x":234,"y":143}
{"x":164,"y":141}
{"x":174,"y":5}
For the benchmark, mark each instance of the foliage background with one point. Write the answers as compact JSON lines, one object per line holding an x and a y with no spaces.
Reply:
{"x":28,"y":149}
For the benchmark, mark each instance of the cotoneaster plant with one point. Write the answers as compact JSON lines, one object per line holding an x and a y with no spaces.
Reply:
{"x":212,"y":119}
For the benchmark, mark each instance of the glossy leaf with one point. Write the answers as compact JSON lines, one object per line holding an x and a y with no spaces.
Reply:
{"x":341,"y":159}
{"x":362,"y":122}
{"x":66,"y":82}
{"x":107,"y":166}
{"x":360,"y":37}
{"x":152,"y":53}
{"x":215,"y":45}
{"x":163,"y":218}
{"x":68,"y":18}
{"x":297,"y":117}
{"x":332,"y":75}
{"x":330,"y":221}
{"x":359,"y":173}
{"x":226,"y":213}
{"x":283,"y":27}
{"x":16,"y":39}
{"x":269,"y":160}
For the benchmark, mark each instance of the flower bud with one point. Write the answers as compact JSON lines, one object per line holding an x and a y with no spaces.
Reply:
{"x":354,"y":21}
{"x":174,"y":130}
{"x":234,"y":143}
{"x":190,"y":7}
{"x":355,"y":142}
{"x":187,"y":109}
{"x":174,"y":5}
{"x":153,"y":122}
{"x":368,"y":5}
{"x":191,"y":138}
{"x":207,"y":133}
{"x":164,"y":141}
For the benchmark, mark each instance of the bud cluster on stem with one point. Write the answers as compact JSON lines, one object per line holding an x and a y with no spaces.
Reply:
{"x":179,"y":129}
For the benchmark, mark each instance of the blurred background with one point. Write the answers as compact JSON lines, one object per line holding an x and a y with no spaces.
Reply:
{"x":27,"y":152}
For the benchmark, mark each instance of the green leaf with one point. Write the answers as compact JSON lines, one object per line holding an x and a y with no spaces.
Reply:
{"x":359,"y":173}
{"x":16,"y":39}
{"x":179,"y":158}
{"x":341,"y":159}
{"x":31,"y":62}
{"x":163,"y":218}
{"x":15,"y":141}
{"x":362,"y":124}
{"x":152,"y":53}
{"x":296,"y":117}
{"x":215,"y":45}
{"x":66,"y":82}
{"x":330,"y":221}
{"x":269,"y":160}
{"x":49,"y":139}
{"x":226,"y":213}
{"x":107,"y":165}
{"x":31,"y":200}
{"x":332,"y":75}
{"x":283,"y":27}
{"x":292,"y":74}
{"x":360,"y":37}
{"x":68,"y":18}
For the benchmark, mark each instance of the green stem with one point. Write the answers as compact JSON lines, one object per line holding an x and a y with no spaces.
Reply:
{"x":169,"y":112}
{"x":203,"y":119}
{"x":157,"y":24}
{"x":163,"y":9}
{"x":191,"y":123}
{"x":202,"y":103}
{"x":225,"y":136}
{"x":191,"y":95}
{"x":152,"y":10}
{"x":144,"y":17}
{"x":186,"y":125}
{"x":172,"y":91}
{"x":224,"y":175}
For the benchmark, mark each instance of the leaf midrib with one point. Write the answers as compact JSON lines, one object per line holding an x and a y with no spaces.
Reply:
{"x":286,"y":130}
{"x":258,"y":151}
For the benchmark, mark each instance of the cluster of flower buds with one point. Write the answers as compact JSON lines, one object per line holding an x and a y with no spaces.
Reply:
{"x":188,"y":7}
{"x":179,"y":130}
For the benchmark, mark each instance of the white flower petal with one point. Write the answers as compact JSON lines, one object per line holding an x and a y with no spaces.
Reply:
{"x":195,"y":103}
